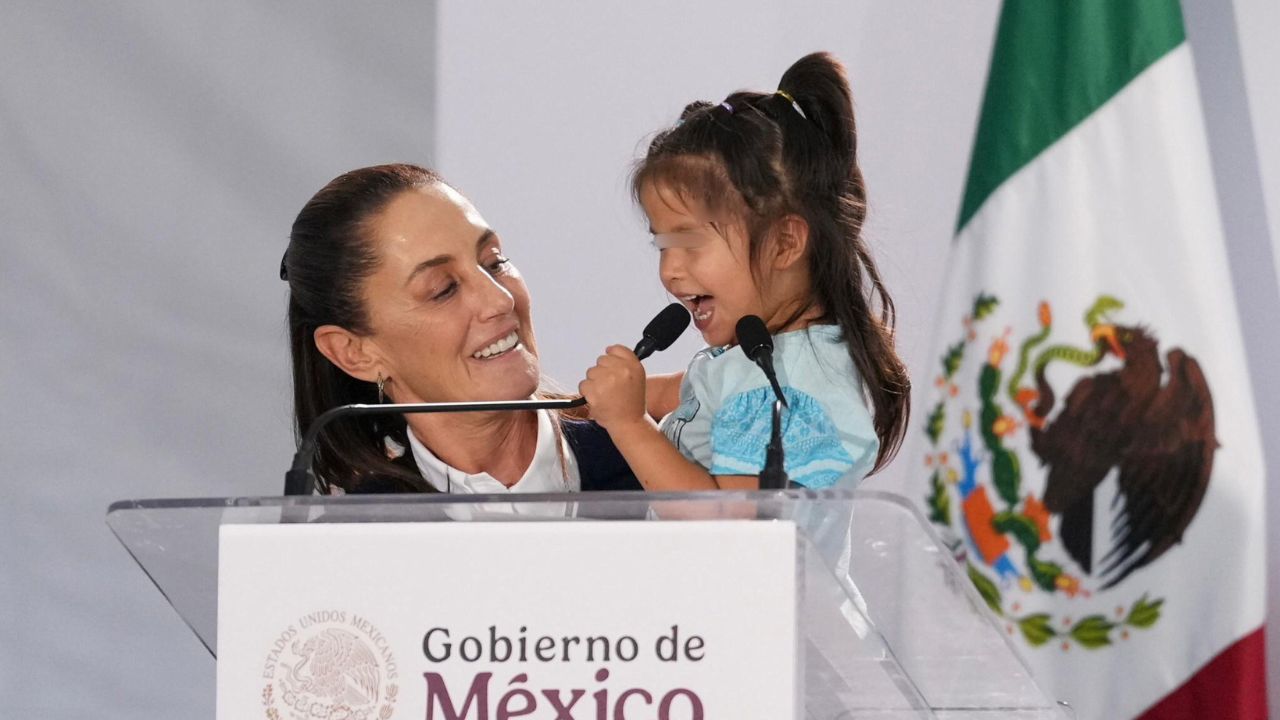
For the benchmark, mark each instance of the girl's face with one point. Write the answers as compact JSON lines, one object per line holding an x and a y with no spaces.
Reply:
{"x":449,"y":312}
{"x":704,"y":263}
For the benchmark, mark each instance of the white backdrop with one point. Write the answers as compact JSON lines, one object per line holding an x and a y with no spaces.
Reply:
{"x":545,"y":151}
{"x":153,"y":155}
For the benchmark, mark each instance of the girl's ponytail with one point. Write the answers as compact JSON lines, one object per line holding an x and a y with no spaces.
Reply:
{"x":818,"y":85}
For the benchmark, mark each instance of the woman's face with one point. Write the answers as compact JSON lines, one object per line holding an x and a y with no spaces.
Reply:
{"x":449,"y":313}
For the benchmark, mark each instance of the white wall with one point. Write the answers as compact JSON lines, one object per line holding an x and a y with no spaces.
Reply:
{"x":543,"y":109}
{"x":153,"y":154}
{"x":1257,"y":22}
{"x":1240,"y":90}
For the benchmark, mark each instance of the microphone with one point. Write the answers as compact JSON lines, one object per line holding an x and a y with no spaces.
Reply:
{"x":757,"y":344}
{"x":662,"y":330}
{"x":658,"y":335}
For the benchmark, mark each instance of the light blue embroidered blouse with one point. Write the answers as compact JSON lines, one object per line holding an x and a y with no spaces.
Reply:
{"x":723,"y":420}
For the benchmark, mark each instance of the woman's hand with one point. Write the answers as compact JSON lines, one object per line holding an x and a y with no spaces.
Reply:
{"x":614,"y":389}
{"x":662,"y":394}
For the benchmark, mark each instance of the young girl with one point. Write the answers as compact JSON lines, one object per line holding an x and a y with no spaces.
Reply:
{"x":756,"y":207}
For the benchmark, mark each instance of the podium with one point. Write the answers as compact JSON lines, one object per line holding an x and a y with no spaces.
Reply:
{"x":887,"y":624}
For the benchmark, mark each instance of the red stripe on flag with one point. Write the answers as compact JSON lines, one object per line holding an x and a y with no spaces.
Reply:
{"x":1232,"y":686}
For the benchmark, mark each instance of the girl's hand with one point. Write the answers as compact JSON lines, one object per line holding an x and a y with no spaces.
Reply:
{"x":614,"y":388}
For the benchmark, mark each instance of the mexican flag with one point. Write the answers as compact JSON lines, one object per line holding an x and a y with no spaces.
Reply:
{"x":1091,"y":445}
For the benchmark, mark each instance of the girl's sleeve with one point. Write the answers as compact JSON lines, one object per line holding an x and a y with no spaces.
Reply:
{"x":818,"y":450}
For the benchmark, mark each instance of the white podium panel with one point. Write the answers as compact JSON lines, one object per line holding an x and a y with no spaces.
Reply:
{"x":429,"y":619}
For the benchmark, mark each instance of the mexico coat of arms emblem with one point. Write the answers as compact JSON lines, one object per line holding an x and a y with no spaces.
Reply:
{"x":1063,"y":461}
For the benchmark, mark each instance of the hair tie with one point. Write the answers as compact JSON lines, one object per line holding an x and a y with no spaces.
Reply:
{"x":787,"y":96}
{"x":727,"y":106}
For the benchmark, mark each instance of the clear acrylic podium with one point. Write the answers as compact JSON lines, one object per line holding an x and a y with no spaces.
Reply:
{"x":890,"y":626}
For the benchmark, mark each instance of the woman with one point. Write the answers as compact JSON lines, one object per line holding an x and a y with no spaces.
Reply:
{"x":399,"y":291}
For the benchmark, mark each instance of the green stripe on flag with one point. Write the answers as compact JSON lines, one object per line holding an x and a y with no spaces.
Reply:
{"x":1055,"y":62}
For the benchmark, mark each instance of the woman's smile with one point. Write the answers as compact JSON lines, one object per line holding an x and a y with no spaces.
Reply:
{"x":499,"y":348}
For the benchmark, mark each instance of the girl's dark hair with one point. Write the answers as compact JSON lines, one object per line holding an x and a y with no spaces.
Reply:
{"x":763,"y":156}
{"x":329,"y":258}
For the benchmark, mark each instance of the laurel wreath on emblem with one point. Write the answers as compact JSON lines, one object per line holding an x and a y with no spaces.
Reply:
{"x":387,"y":708}
{"x":268,"y":694}
{"x":1150,"y":424}
{"x":384,"y":711}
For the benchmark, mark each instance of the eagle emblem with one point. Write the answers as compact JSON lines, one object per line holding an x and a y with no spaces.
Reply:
{"x":1070,"y":493}
{"x":335,"y":666}
{"x":332,"y":665}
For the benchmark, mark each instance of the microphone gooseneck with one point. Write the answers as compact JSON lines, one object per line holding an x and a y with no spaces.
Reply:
{"x":662,"y":330}
{"x":297,"y":479}
{"x":657,"y":335}
{"x":774,"y":474}
{"x":757,"y":344}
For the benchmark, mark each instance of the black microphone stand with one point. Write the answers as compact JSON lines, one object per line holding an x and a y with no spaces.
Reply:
{"x":774,"y":475}
{"x":757,"y":344}
{"x":297,"y":481}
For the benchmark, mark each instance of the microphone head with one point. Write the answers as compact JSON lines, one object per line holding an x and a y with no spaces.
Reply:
{"x":667,"y":325}
{"x":753,"y":336}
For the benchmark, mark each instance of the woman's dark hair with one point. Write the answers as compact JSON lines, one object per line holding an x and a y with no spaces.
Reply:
{"x":329,"y":258}
{"x":763,"y":156}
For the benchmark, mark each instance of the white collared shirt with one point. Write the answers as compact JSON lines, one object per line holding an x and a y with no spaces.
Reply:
{"x":544,"y":474}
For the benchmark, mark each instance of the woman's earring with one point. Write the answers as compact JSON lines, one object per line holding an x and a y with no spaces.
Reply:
{"x":381,"y":383}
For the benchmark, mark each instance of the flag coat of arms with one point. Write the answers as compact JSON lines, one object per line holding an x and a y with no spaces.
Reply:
{"x":1092,"y":452}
